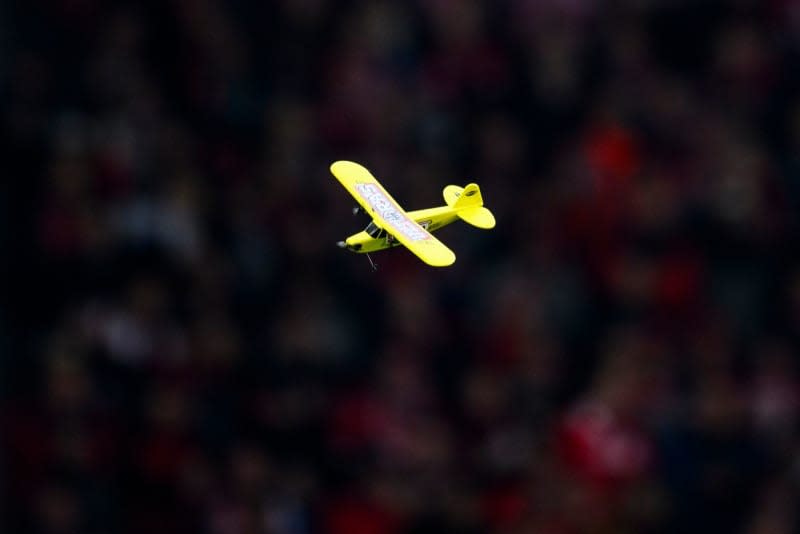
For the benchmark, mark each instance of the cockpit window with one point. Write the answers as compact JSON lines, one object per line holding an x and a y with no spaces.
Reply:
{"x":373,"y":230}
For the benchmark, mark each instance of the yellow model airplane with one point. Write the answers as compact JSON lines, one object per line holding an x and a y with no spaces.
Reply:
{"x":392,"y":226}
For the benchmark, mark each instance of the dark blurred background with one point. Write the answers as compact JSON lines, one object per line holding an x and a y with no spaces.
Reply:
{"x":185,"y":350}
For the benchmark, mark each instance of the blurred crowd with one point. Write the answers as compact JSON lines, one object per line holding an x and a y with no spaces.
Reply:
{"x":188,"y":352}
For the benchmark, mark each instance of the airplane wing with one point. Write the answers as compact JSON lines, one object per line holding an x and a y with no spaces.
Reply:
{"x":389,"y":215}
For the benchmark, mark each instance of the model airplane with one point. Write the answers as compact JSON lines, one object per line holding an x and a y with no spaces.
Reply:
{"x":392,"y":226}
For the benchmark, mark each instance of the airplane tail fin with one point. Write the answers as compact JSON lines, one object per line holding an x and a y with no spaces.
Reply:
{"x":468,"y":203}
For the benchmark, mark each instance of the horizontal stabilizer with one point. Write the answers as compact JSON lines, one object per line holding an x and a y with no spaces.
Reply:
{"x":468,"y":205}
{"x":477,"y":216}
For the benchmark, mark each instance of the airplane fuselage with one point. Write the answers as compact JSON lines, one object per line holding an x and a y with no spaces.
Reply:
{"x":374,"y":238}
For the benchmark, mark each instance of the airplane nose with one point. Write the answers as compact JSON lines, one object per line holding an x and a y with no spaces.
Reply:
{"x":341,"y":244}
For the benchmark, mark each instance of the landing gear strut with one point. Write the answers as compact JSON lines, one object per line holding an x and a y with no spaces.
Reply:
{"x":372,"y":263}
